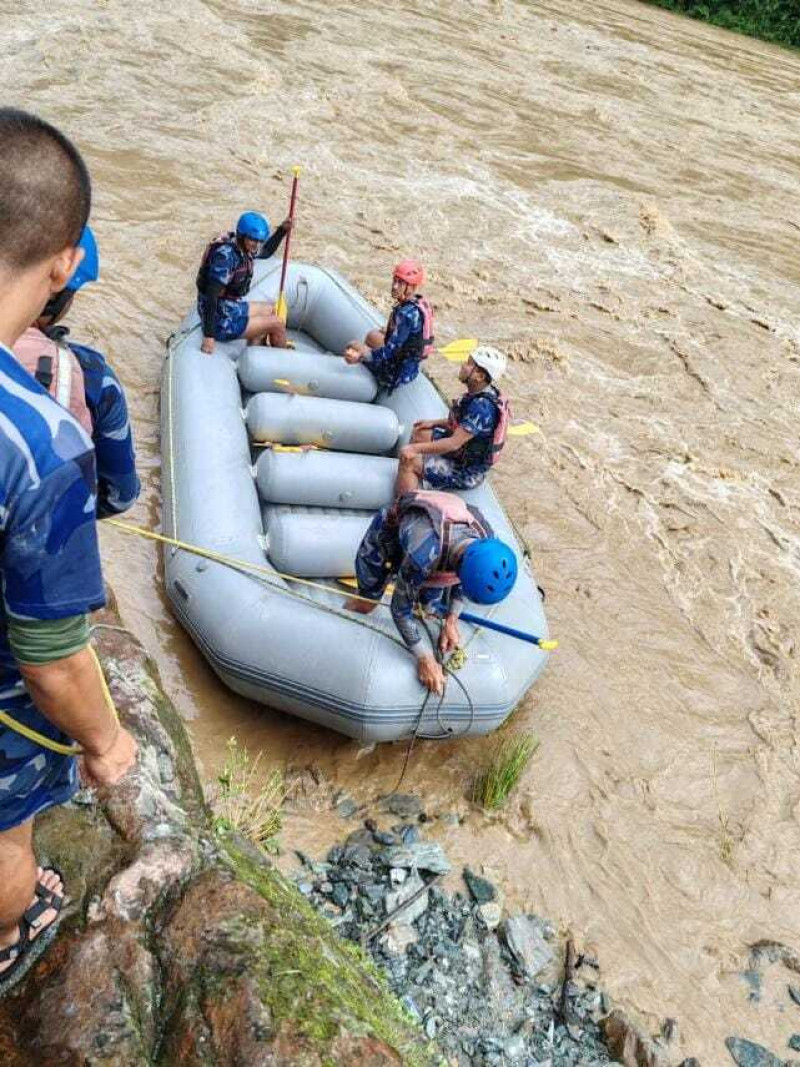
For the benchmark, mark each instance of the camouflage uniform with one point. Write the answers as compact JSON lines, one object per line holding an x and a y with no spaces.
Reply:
{"x":389,"y":366}
{"x":411,"y":551}
{"x":49,"y":568}
{"x":478,"y":415}
{"x":117,"y":481}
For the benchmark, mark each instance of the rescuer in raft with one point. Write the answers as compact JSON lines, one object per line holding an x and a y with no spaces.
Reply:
{"x":82,"y":381}
{"x":224,"y":280}
{"x":457,"y":452}
{"x":439,"y":550}
{"x":394,"y":355}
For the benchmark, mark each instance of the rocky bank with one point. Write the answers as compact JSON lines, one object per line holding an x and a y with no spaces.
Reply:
{"x":176,"y":947}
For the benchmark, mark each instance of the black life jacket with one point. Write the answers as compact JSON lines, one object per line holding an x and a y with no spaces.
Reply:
{"x":481,"y":451}
{"x":242,"y":278}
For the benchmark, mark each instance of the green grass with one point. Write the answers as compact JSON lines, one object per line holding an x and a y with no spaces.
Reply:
{"x":506,"y":766}
{"x":771,"y":20}
{"x":247,"y":801}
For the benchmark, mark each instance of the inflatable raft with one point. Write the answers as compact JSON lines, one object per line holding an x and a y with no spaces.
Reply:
{"x":278,"y":633}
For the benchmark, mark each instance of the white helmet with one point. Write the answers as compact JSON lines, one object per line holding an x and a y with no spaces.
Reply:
{"x":491,"y":360}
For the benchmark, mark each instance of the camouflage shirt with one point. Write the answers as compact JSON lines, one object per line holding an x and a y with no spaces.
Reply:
{"x":49,"y":569}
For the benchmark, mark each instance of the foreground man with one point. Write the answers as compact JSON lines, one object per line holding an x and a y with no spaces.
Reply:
{"x":83,"y":381}
{"x":393,"y":356}
{"x":49,"y":561}
{"x":440,"y":550}
{"x":224,"y":280}
{"x":457,"y":452}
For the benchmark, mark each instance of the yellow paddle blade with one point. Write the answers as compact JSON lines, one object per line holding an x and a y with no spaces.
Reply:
{"x":291,"y":387}
{"x":458,"y":351}
{"x":286,"y":448}
{"x":281,"y":308}
{"x":522,"y":429}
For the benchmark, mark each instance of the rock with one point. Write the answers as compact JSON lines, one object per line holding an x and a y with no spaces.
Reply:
{"x":794,"y":993}
{"x":690,"y":1062}
{"x":794,"y":1042}
{"x":490,"y":914}
{"x":406,"y":891}
{"x":525,"y":939}
{"x":400,"y":936}
{"x":514,"y":1048}
{"x":384,"y":838}
{"x":422,"y":856}
{"x":481,"y":889}
{"x":346,"y":808}
{"x":194,"y":949}
{"x":409,"y":834}
{"x":397,"y":875}
{"x":748,"y":1054}
{"x":629,"y":1045}
{"x":404,"y":805}
{"x":752,"y":979}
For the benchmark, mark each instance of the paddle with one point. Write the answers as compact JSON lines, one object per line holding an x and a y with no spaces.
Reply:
{"x":546,"y":645}
{"x":458,"y":351}
{"x":281,"y":307}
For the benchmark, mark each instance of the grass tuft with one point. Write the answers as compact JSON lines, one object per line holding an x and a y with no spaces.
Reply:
{"x":507,"y":765}
{"x":248,"y":803}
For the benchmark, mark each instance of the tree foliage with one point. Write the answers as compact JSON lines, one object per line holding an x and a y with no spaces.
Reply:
{"x":771,"y":20}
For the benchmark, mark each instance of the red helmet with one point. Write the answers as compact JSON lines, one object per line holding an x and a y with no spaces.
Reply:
{"x":410,"y":271}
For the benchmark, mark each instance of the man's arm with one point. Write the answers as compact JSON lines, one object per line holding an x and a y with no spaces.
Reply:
{"x":405,"y":324}
{"x":452,"y":443}
{"x":273,"y":243}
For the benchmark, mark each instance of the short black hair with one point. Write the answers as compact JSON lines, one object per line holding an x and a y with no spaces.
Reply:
{"x":45,"y":190}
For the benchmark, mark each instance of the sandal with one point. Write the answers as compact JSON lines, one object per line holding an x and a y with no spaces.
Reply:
{"x":27,"y":950}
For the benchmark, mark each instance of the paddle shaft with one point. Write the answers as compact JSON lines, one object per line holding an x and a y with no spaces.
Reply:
{"x":520,"y":635}
{"x":288,"y":242}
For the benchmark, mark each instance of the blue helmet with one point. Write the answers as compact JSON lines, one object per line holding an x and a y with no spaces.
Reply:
{"x":488,"y":571}
{"x":252,"y":225}
{"x":89,"y":267}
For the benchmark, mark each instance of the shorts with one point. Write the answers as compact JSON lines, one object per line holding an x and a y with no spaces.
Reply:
{"x":231,"y":318}
{"x":442,"y":472}
{"x":32,"y":778}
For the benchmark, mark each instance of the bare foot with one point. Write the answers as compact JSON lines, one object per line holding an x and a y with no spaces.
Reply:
{"x":51,"y":882}
{"x":363,"y":607}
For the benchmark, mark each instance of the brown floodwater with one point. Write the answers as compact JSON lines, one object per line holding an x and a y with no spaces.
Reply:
{"x":611,"y":193}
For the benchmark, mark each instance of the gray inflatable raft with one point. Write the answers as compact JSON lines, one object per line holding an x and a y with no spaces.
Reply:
{"x":278,"y":634}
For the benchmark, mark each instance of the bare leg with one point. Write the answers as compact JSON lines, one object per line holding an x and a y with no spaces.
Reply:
{"x":363,"y":607}
{"x":409,"y":475}
{"x":265,"y":328}
{"x":375,"y":338}
{"x":17,"y":881}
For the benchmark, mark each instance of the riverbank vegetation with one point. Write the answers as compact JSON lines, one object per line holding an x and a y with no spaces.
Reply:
{"x":771,"y":20}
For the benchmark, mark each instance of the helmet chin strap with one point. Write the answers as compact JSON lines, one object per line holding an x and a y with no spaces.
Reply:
{"x":56,"y":305}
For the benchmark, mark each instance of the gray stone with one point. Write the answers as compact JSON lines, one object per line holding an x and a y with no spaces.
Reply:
{"x":753,"y":981}
{"x":794,"y":993}
{"x":514,"y":1048}
{"x":340,"y":894}
{"x":423,"y":856}
{"x":346,"y":808}
{"x":794,"y":1042}
{"x":404,"y":805}
{"x":431,"y":1027}
{"x":526,"y":941}
{"x":481,"y":889}
{"x":399,"y":937}
{"x":490,"y":914}
{"x":749,"y":1054}
{"x":397,"y":875}
{"x":405,"y":892}
{"x":384,"y":838}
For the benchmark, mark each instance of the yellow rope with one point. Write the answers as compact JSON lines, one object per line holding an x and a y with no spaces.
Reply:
{"x":230,"y":561}
{"x":47,"y":742}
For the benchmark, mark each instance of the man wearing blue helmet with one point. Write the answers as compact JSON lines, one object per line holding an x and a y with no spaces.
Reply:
{"x":224,"y":280}
{"x":441,"y":550}
{"x":83,"y":381}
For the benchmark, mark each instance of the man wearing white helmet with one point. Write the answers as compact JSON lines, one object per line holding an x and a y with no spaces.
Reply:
{"x":457,"y":452}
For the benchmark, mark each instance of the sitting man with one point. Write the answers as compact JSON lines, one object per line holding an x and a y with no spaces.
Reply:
{"x":82,"y":381}
{"x":440,"y":550}
{"x":224,"y":280}
{"x":456,"y":453}
{"x":394,"y":355}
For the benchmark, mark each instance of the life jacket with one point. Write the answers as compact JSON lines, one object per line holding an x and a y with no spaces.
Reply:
{"x":481,"y":451}
{"x":242,"y":278}
{"x":56,"y":369}
{"x":445,"y":510}
{"x":420,"y":345}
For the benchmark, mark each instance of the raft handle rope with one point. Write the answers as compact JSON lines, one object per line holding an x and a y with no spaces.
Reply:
{"x":46,"y":742}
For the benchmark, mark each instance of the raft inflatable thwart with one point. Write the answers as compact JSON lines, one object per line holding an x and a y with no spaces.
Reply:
{"x":279,"y":634}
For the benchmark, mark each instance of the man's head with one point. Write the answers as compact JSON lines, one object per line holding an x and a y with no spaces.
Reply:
{"x":407,"y":277}
{"x":45,"y":198}
{"x":484,"y":367}
{"x":252,"y":230}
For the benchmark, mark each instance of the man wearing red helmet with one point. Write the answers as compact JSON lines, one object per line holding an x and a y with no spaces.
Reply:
{"x":394,"y":355}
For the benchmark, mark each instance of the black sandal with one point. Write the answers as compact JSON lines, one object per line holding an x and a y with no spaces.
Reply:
{"x":27,"y":950}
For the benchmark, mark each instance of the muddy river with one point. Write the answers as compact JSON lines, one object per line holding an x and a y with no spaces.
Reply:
{"x":610,"y":193}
